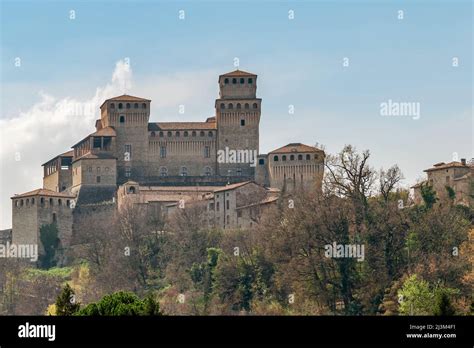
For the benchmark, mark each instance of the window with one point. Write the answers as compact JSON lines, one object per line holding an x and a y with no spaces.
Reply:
{"x":128,"y":172}
{"x":239,"y":106}
{"x":152,"y":134}
{"x":131,"y":189}
{"x":178,"y":134}
{"x":283,"y":158}
{"x":242,"y":80}
{"x":207,"y":151}
{"x":163,"y":171}
{"x":128,"y":152}
{"x":122,"y":119}
{"x":275,"y":158}
{"x":186,"y":133}
{"x":234,"y":81}
{"x":68,"y":203}
{"x":51,"y":202}
{"x":201,"y":133}
{"x":144,"y":105}
{"x":261,"y":161}
{"x":207,"y":171}
{"x":231,"y":106}
{"x":226,"y":81}
{"x":308,"y":157}
{"x":211,"y":206}
{"x":292,"y":157}
{"x":32,"y":201}
{"x":97,"y":142}
{"x":227,"y":204}
{"x":89,"y":169}
{"x":250,"y":80}
{"x":169,"y":134}
{"x":163,"y":151}
{"x":217,"y":206}
{"x":135,"y":106}
{"x":222,"y":106}
{"x":210,"y":134}
{"x":242,"y":122}
{"x":255,"y":106}
{"x":60,"y":202}
{"x":193,"y":133}
{"x":247,"y":106}
{"x":184,"y":171}
{"x":300,"y":157}
{"x":21,"y":203}
{"x":55,"y":219}
{"x":98,"y":179}
{"x":161,"y":134}
{"x":239,"y":172}
{"x":128,"y":105}
{"x":42,"y":200}
{"x":112,"y":106}
{"x":120,"y":106}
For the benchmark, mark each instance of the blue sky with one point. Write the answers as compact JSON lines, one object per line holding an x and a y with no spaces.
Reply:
{"x":298,"y":62}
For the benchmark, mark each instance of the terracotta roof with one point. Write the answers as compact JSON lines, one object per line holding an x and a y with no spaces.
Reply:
{"x":96,"y":156}
{"x":126,"y":97}
{"x":69,"y":153}
{"x":238,"y":73}
{"x":211,"y":119}
{"x":181,"y":126}
{"x":105,"y":132}
{"x":44,"y":192}
{"x":232,"y":186}
{"x":443,"y":165}
{"x":296,"y":147}
{"x":266,"y":200}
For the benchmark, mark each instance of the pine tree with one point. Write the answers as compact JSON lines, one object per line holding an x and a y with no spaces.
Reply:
{"x":66,"y":302}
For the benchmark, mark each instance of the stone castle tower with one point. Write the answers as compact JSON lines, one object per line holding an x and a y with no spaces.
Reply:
{"x":238,"y":117}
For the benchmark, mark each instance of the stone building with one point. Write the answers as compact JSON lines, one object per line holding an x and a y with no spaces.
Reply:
{"x":456,"y":175}
{"x":160,"y":164}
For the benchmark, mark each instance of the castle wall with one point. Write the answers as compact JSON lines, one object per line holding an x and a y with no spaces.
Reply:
{"x":86,"y":171}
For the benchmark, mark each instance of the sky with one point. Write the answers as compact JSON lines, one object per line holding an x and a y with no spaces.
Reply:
{"x":333,"y":63}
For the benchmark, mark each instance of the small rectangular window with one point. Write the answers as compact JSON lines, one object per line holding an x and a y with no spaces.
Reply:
{"x":211,"y":206}
{"x":98,"y":179}
{"x":227,"y":205}
{"x":207,"y":151}
{"x":242,"y":122}
{"x":163,"y":151}
{"x":128,"y":172}
{"x":128,"y":152}
{"x":217,"y":206}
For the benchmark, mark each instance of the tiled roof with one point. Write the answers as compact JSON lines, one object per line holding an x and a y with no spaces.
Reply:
{"x":238,"y":73}
{"x":232,"y":186}
{"x":211,"y":119}
{"x":96,"y":156}
{"x":69,"y":153}
{"x":443,"y":165}
{"x":266,"y":200}
{"x":105,"y":132}
{"x":181,"y":126}
{"x":44,"y":192}
{"x":126,"y":97}
{"x":296,"y":147}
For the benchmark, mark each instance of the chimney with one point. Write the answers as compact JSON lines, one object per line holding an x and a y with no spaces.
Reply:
{"x":463,"y":161}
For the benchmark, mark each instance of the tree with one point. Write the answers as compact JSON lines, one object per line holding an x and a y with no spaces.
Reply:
{"x":50,"y":241}
{"x":66,"y":302}
{"x":428,"y":195}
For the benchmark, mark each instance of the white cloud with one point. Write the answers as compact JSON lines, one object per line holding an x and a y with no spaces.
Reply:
{"x":46,"y":129}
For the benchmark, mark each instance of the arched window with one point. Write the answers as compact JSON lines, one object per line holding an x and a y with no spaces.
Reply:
{"x":169,"y":134}
{"x":209,"y":134}
{"x":161,"y":134}
{"x":178,"y":134}
{"x":55,"y":219}
{"x":300,"y":157}
{"x":112,"y":105}
{"x":152,"y":134}
{"x":144,"y":105}
{"x":163,"y":171}
{"x":201,"y":133}
{"x":226,"y":81}
{"x":308,"y":157}
{"x":51,"y":201}
{"x":275,"y":158}
{"x":242,"y":80}
{"x":247,"y":106}
{"x":231,"y":106}
{"x":234,"y":81}
{"x":193,"y":133}
{"x":21,"y":203}
{"x":255,"y":106}
{"x":222,"y":106}
{"x":122,"y":119}
{"x":32,"y":201}
{"x":128,"y":105}
{"x":283,"y":158}
{"x":239,"y":106}
{"x":68,"y":203}
{"x":27,"y":202}
{"x":250,"y":80}
{"x":184,"y":171}
{"x":292,"y":157}
{"x":207,"y":171}
{"x":131,"y":189}
{"x":120,"y":106}
{"x":186,"y":133}
{"x":60,"y":202}
{"x":135,"y":106}
{"x":42,"y":199}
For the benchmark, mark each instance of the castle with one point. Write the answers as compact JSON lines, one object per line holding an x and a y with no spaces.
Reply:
{"x":162,"y":165}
